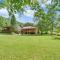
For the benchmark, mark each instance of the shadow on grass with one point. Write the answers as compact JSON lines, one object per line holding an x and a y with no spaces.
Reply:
{"x":57,"y":38}
{"x":5,"y":33}
{"x":35,"y":35}
{"x":26,"y":34}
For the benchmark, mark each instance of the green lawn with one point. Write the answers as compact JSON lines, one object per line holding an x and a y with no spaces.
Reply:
{"x":15,"y":47}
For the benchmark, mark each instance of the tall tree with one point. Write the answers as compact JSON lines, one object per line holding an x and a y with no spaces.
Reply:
{"x":46,"y":20}
{"x":58,"y":24}
{"x":13,"y":23}
{"x":40,"y":18}
{"x":1,"y":21}
{"x":52,"y":8}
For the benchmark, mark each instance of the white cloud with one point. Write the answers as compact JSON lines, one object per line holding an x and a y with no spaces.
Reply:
{"x":48,"y":2}
{"x":45,"y":1}
{"x":4,"y":12}
{"x":29,"y":13}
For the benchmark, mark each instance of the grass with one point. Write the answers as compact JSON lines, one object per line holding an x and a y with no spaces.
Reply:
{"x":15,"y":47}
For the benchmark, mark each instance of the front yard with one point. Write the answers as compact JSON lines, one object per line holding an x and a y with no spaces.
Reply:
{"x":15,"y":47}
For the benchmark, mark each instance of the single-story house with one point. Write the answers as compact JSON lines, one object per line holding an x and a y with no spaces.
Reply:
{"x":28,"y":30}
{"x":21,"y":30}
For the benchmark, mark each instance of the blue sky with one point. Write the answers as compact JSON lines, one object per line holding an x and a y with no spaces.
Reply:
{"x":26,"y":17}
{"x":4,"y":12}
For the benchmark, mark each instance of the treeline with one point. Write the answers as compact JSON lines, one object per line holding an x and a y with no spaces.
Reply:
{"x":46,"y":19}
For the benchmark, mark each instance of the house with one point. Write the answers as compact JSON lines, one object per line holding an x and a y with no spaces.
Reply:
{"x":21,"y":30}
{"x":6,"y":29}
{"x":28,"y":30}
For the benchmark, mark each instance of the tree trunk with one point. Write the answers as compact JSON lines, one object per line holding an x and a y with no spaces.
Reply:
{"x":52,"y":25}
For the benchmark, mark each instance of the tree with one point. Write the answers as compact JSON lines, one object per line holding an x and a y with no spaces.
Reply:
{"x":52,"y":14}
{"x":42,"y":22}
{"x":58,"y":24}
{"x":13,"y":23}
{"x":45,"y":21}
{"x":1,"y":21}
{"x":28,"y":24}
